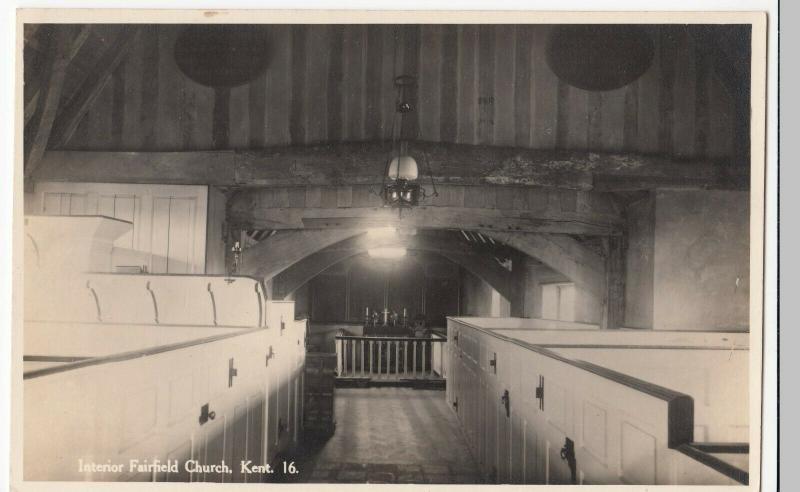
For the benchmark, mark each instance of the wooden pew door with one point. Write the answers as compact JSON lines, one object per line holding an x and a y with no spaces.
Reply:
{"x":238,"y":402}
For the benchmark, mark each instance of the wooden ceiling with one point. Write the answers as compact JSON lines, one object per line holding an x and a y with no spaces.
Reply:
{"x":478,"y":84}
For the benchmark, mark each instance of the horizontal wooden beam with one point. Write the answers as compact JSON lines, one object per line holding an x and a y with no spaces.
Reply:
{"x":490,"y":208}
{"x":364,"y":163}
{"x":422,"y":217}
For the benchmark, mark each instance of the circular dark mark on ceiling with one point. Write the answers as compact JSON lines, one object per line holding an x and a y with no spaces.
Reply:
{"x":222,"y":55}
{"x":599,"y":57}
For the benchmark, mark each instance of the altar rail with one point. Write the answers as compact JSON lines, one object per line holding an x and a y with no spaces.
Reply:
{"x":392,"y":359}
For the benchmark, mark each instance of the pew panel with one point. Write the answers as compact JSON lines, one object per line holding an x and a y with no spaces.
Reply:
{"x":620,"y":429}
{"x":720,"y":408}
{"x":140,"y":398}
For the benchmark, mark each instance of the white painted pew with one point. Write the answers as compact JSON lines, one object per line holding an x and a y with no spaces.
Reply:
{"x":624,"y":430}
{"x":715,"y":379}
{"x":146,"y":403}
{"x":121,"y":383}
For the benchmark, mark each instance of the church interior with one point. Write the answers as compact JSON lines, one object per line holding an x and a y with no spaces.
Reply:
{"x":379,"y":253}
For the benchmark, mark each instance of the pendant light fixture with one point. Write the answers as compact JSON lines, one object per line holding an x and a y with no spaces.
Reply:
{"x":400,"y":186}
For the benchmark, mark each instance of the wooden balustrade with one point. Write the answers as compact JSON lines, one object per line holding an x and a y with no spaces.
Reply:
{"x":389,"y":358}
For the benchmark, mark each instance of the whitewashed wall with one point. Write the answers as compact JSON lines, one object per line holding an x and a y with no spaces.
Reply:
{"x":169,"y":221}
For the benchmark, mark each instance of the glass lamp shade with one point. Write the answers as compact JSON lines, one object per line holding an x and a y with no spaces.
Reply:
{"x":403,"y":167}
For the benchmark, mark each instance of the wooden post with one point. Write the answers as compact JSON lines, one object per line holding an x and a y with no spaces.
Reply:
{"x":353,"y":352}
{"x":414,"y":359}
{"x":339,"y":357}
{"x":614,"y":301}
{"x":405,"y":357}
{"x":424,"y":352}
{"x":516,"y":289}
{"x":397,"y":357}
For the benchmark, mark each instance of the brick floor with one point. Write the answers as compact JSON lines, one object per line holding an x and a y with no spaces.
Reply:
{"x":389,"y":435}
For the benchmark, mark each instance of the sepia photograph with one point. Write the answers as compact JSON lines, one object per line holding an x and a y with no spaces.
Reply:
{"x":276,"y":247}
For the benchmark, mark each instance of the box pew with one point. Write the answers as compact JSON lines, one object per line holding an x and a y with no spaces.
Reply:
{"x":716,"y":379}
{"x":534,"y":415}
{"x":287,"y":381}
{"x":182,"y":299}
{"x":203,"y":300}
{"x":159,"y":367}
{"x":144,"y":405}
{"x":711,"y":367}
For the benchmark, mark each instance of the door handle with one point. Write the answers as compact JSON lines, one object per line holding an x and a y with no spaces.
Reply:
{"x":270,"y":355}
{"x":568,"y":454}
{"x":205,"y":415}
{"x":506,"y":401}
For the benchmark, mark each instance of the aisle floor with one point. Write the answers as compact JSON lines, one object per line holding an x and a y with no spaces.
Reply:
{"x":391,"y":435}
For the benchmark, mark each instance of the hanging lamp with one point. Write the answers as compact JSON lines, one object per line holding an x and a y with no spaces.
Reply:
{"x":400,"y":186}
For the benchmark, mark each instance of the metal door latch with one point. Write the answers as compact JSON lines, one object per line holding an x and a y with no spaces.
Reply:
{"x":232,"y":372}
{"x":205,"y":415}
{"x":568,"y":454}
{"x":270,"y":355}
{"x":493,"y":362}
{"x":540,"y":392}
{"x":506,"y":401}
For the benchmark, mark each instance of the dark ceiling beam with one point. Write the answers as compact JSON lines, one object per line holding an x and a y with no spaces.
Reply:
{"x":32,"y":94}
{"x":489,"y":207}
{"x":39,"y":130}
{"x":431,"y":217}
{"x":96,"y":79}
{"x":354,"y":163}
